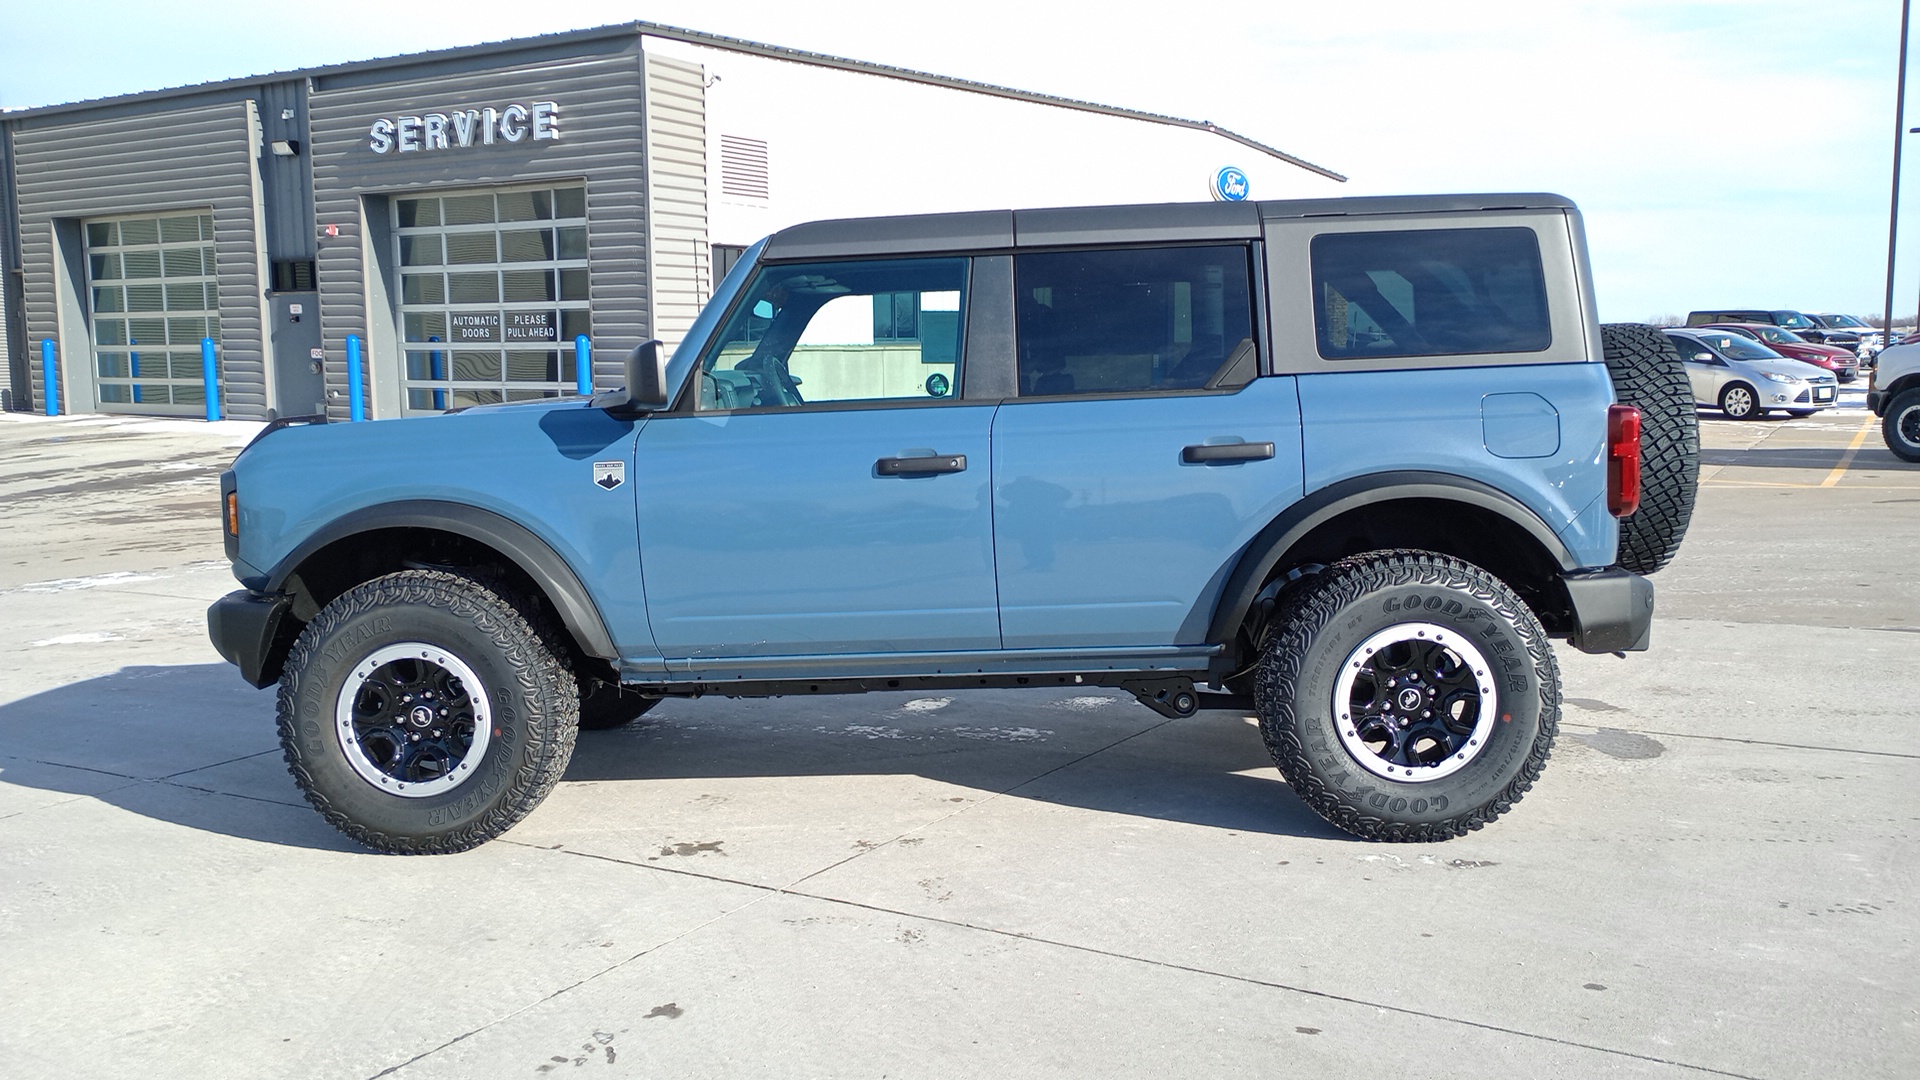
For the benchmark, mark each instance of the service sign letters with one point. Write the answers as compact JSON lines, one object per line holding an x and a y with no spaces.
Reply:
{"x":465,"y":127}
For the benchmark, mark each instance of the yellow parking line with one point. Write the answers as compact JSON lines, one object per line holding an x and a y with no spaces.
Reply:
{"x":1859,"y":438}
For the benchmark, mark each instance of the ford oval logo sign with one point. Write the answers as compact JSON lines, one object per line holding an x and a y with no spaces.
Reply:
{"x":1229,"y":185}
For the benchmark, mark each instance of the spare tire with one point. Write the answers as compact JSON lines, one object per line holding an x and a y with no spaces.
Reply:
{"x":1648,"y":374}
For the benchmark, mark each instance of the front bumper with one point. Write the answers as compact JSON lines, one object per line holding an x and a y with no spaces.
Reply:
{"x":1612,"y":610}
{"x":1877,"y":401}
{"x":248,"y":630}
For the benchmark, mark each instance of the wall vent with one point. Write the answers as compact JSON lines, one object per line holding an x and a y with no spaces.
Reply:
{"x":743,"y":168}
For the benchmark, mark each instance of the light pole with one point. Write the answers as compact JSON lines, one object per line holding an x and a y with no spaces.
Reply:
{"x":1899,"y":136}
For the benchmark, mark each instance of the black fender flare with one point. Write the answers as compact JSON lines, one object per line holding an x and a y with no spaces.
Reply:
{"x":534,"y":556}
{"x":1293,"y":524}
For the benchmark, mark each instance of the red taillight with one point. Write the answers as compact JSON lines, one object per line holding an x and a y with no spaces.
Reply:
{"x":1623,"y":460}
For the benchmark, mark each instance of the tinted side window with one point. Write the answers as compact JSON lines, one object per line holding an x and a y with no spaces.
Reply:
{"x":1686,"y":347}
{"x":843,"y":331}
{"x":1433,"y":292}
{"x":1105,"y":322}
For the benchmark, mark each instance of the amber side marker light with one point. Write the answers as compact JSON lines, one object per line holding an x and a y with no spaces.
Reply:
{"x":233,"y":513}
{"x":1623,"y":460}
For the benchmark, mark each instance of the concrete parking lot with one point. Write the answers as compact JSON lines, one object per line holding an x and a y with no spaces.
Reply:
{"x":1715,"y":877}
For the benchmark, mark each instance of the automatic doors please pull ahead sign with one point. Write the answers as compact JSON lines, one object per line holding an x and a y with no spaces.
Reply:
{"x":464,"y":128}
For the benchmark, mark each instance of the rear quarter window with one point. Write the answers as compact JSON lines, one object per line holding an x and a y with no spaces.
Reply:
{"x":1429,"y":292}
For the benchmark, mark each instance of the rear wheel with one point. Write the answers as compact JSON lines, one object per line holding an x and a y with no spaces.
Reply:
{"x":1739,"y":402}
{"x":420,"y":713}
{"x":1901,"y":425}
{"x":1408,"y":696}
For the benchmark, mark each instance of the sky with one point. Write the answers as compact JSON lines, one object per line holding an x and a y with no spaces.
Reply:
{"x":1724,"y":153}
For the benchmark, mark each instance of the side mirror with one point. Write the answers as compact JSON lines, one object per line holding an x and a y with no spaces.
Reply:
{"x":1703,"y":358}
{"x":646,"y":389}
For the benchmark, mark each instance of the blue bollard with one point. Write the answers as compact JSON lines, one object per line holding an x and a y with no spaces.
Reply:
{"x":134,"y":360}
{"x":356,"y":409}
{"x":50,"y":372}
{"x":583,"y":365}
{"x":210,"y":371}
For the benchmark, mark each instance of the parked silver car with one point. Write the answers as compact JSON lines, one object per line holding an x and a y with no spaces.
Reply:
{"x":1745,"y":379}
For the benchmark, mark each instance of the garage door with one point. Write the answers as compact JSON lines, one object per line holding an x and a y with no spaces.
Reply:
{"x":493,"y":291}
{"x":154,"y":300}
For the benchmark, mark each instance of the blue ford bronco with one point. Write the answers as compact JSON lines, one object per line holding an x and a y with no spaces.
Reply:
{"x":1348,"y":464}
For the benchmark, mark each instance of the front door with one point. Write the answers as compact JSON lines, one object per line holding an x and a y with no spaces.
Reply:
{"x":825,"y":490}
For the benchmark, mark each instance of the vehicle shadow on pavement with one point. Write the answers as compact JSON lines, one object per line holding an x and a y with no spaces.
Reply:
{"x":191,"y":745}
{"x":1104,"y":753}
{"x":194,"y":746}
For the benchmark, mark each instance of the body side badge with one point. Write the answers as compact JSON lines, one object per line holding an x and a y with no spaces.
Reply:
{"x":609,"y":474}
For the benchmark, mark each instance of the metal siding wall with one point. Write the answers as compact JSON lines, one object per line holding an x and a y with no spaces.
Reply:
{"x":18,"y":387}
{"x":601,"y":139}
{"x":182,"y":159}
{"x":677,"y":151}
{"x":288,"y":181}
{"x":13,"y":347}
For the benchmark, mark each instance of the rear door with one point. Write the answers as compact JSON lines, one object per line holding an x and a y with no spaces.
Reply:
{"x":1142,"y":451}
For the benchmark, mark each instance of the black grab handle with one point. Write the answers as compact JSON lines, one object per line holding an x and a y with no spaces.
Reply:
{"x":1208,"y":454}
{"x":921,"y":466}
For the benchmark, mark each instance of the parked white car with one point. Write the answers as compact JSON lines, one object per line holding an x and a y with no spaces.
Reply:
{"x":1745,"y":379}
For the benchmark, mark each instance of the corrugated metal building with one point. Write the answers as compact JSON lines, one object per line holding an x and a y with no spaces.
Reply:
{"x":464,"y":214}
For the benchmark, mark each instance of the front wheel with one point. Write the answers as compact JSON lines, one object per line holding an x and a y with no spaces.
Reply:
{"x":1408,"y":696}
{"x":1739,"y":402}
{"x":1901,"y":425}
{"x":421,"y":713}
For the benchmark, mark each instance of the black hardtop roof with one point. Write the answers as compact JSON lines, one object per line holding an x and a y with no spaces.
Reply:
{"x":1139,"y":223}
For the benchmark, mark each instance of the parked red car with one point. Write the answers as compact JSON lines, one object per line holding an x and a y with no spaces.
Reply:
{"x":1844,"y":365}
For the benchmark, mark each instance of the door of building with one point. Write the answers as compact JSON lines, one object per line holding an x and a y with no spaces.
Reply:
{"x":493,"y":293}
{"x":155,"y":299}
{"x":300,"y":388}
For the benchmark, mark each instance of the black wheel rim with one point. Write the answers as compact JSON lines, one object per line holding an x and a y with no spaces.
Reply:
{"x":409,"y":721}
{"x":1907,"y":426}
{"x":1415,"y":702}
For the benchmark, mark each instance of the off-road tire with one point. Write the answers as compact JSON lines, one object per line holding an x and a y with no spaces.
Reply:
{"x":1353,"y":602}
{"x":605,"y":705}
{"x":530,"y":694}
{"x":1648,"y":374}
{"x":1900,"y":426}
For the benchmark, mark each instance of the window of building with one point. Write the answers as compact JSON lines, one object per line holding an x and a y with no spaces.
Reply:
{"x":155,"y":299}
{"x":1156,"y":319}
{"x":813,"y":333}
{"x":493,"y":292}
{"x":1429,"y":292}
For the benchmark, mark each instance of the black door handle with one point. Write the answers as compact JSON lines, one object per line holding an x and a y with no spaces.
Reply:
{"x":921,"y":466}
{"x":1226,"y":453}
